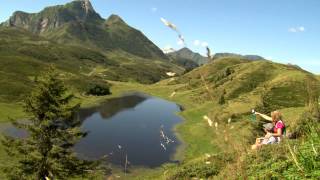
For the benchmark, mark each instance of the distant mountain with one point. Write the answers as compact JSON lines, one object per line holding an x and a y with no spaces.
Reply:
{"x":190,"y":60}
{"x":249,"y":57}
{"x":187,"y":64}
{"x":187,"y":58}
{"x":78,"y":23}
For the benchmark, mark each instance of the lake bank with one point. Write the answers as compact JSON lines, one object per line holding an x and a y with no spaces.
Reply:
{"x":193,"y":132}
{"x":89,"y":103}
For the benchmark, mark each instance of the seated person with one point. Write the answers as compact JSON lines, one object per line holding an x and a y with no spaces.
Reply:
{"x":274,"y":134}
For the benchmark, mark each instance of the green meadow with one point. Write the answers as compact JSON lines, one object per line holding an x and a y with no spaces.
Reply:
{"x":217,"y":97}
{"x":212,"y":151}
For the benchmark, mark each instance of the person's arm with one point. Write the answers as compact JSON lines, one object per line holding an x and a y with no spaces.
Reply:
{"x":277,"y":134}
{"x":264,"y":116}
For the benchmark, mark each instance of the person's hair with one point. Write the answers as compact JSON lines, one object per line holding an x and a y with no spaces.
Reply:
{"x":276,"y":116}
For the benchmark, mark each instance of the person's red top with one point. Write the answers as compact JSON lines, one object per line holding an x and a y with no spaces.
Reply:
{"x":279,"y":125}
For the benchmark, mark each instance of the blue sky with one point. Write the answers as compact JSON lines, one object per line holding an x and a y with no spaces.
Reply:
{"x":286,"y":31}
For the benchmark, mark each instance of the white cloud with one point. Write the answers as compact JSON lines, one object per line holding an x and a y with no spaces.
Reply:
{"x":200,"y":43}
{"x":269,"y":57}
{"x":293,"y":30}
{"x":297,"y":29}
{"x":167,"y":49}
{"x":301,"y":29}
{"x":154,"y":9}
{"x":180,"y":42}
{"x":204,"y":44}
{"x":196,"y":42}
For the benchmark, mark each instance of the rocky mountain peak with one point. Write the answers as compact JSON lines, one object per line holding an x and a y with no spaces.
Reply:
{"x":77,"y":23}
{"x":114,"y":19}
{"x":86,"y":5}
{"x":186,"y":53}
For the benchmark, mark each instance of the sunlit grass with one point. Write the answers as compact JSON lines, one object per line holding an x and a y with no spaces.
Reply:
{"x":11,"y":111}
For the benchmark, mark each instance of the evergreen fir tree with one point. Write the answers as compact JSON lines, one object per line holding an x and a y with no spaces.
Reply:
{"x":52,"y":130}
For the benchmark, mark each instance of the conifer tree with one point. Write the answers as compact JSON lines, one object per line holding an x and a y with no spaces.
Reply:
{"x":53,"y":130}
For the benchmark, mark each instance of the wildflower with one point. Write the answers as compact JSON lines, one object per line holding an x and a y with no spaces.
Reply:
{"x":210,"y":122}
{"x":169,"y":24}
{"x":216,"y":125}
{"x":164,"y":147}
{"x":208,"y":155}
{"x":229,"y":120}
{"x":162,"y":134}
{"x":208,"y":162}
{"x":173,"y":27}
{"x":209,"y":53}
{"x":231,"y":127}
{"x":314,"y":149}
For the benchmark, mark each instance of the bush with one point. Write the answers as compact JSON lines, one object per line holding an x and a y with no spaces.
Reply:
{"x":98,"y":89}
{"x":195,"y":170}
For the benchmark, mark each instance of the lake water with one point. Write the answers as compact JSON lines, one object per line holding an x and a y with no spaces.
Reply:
{"x":134,"y":125}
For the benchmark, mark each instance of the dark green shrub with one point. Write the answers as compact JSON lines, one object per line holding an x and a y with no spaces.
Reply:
{"x":98,"y":89}
{"x":199,"y":170}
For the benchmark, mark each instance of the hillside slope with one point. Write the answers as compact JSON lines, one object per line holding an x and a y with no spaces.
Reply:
{"x":225,"y":91}
{"x":24,"y":55}
{"x":248,"y":57}
{"x":262,"y":84}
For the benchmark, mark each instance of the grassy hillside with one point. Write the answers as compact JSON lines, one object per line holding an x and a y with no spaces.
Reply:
{"x":244,"y":85}
{"x":224,"y":152}
{"x":249,"y":84}
{"x":23,"y":55}
{"x":229,"y":88}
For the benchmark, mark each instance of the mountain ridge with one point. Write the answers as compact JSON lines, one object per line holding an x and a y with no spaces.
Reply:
{"x":249,"y":57}
{"x":78,"y":23}
{"x":187,"y":58}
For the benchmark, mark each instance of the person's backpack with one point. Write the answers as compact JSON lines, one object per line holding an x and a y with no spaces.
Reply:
{"x":284,"y":131}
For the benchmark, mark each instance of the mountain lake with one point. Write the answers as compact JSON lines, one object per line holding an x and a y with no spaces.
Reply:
{"x":133,"y":130}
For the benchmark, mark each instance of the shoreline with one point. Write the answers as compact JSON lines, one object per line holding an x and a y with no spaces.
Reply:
{"x":121,"y":88}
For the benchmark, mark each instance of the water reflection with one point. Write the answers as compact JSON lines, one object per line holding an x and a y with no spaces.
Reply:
{"x":134,"y":125}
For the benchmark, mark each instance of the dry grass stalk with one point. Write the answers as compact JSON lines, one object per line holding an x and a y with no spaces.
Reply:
{"x":294,"y":158}
{"x":210,"y":122}
{"x":172,"y":94}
